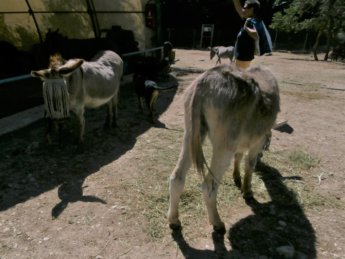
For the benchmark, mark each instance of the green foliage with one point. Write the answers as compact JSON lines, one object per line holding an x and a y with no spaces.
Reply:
{"x":313,"y":15}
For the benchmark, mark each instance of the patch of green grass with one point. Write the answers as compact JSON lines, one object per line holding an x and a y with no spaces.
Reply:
{"x":296,"y":167}
{"x":308,"y":197}
{"x":303,"y":160}
{"x":291,"y":161}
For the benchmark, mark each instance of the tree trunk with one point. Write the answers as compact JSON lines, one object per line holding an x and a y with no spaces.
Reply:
{"x":316,"y":44}
{"x":330,"y":26}
{"x":305,"y":41}
{"x":328,"y":45}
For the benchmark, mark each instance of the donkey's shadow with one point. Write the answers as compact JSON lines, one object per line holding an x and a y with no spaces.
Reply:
{"x":275,"y":224}
{"x":72,"y":191}
{"x":188,"y":251}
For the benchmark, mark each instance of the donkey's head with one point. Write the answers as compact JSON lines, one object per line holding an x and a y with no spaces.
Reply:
{"x":58,"y":68}
{"x":213,"y":51}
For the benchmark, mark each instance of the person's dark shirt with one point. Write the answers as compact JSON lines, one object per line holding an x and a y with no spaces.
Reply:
{"x":245,"y":44}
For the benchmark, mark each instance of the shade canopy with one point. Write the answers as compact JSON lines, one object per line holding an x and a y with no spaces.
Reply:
{"x":26,"y":22}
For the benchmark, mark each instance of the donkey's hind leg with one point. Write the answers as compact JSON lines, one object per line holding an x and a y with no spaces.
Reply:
{"x":115,"y":102}
{"x":219,"y":163}
{"x":236,"y":172}
{"x":250,"y":163}
{"x":177,"y":182}
{"x":111,"y":113}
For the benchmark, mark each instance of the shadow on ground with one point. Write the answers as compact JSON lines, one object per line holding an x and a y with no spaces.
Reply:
{"x":277,"y":229}
{"x":30,"y":167}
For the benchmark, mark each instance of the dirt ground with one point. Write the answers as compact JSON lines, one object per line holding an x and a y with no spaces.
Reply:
{"x":110,"y":200}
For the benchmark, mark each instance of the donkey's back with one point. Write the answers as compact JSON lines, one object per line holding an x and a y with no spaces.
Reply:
{"x":101,"y":78}
{"x":241,"y":105}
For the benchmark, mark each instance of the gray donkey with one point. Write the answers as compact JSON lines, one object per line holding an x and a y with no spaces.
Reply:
{"x":236,"y":109}
{"x":89,"y":85}
{"x":222,"y":52}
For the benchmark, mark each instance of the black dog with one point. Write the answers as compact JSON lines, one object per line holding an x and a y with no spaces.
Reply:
{"x":149,"y":70}
{"x":146,"y":92}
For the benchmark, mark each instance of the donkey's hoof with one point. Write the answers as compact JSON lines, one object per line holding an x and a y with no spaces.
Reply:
{"x":220,"y":229}
{"x":248,"y":195}
{"x":175,"y":226}
{"x":238,"y":183}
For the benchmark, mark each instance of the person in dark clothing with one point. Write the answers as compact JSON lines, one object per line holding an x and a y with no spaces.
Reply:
{"x":253,"y":37}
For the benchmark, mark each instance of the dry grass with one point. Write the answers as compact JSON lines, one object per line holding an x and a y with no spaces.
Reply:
{"x":154,"y":202}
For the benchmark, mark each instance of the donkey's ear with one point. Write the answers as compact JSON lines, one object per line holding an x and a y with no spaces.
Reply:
{"x":39,"y":73}
{"x":70,"y":66}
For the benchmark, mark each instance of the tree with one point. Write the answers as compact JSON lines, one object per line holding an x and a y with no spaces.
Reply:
{"x":323,"y":17}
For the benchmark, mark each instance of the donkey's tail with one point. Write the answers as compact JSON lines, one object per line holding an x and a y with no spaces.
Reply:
{"x":196,"y":133}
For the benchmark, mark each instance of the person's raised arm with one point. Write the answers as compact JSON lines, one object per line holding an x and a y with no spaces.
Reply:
{"x":238,"y":8}
{"x":251,"y":31}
